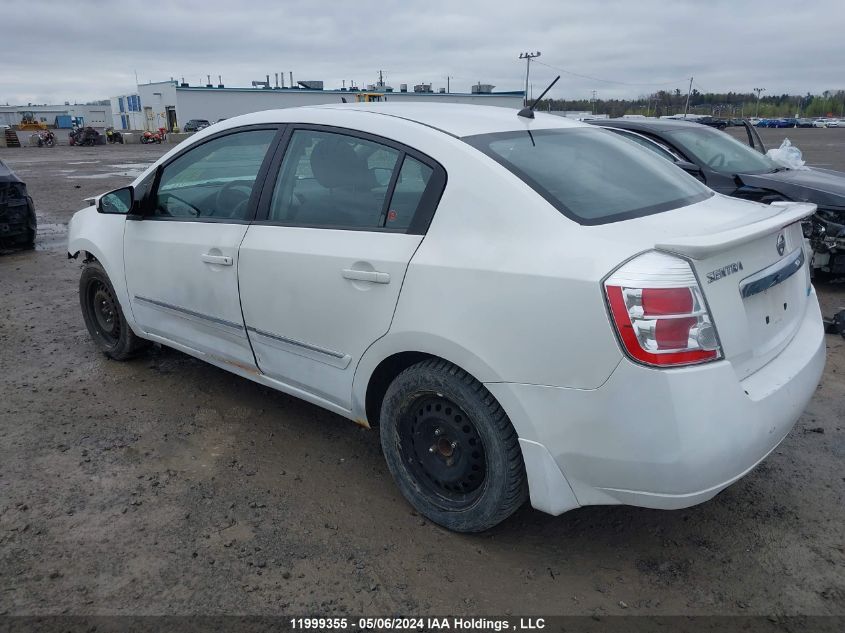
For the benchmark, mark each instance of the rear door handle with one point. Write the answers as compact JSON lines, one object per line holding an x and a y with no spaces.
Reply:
{"x":220,"y":260}
{"x":366,"y":275}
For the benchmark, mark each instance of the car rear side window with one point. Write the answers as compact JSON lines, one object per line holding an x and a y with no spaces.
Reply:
{"x":591,"y":175}
{"x":333,"y":180}
{"x":410,"y":187}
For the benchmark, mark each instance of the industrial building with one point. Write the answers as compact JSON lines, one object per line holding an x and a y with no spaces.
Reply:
{"x":127,"y":113}
{"x":98,"y":116}
{"x":171,"y":104}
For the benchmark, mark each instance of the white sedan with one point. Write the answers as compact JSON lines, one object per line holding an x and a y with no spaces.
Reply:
{"x":526,"y":306}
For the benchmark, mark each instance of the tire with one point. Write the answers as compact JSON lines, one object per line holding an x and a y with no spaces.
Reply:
{"x":451,"y":448}
{"x":32,"y":230}
{"x":29,"y":244}
{"x":103,"y":315}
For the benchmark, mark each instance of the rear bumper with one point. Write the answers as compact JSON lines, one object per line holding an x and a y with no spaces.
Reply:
{"x":661,"y":438}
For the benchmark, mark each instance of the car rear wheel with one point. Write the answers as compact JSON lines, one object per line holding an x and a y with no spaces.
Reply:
{"x":451,"y":448}
{"x":103,"y":315}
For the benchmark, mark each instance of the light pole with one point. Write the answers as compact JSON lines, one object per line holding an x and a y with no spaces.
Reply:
{"x":757,"y":112}
{"x":527,"y":57}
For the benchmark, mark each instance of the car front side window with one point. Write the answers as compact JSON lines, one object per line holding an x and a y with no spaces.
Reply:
{"x":213,"y":181}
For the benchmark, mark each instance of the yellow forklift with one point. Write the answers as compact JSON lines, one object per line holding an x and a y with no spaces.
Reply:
{"x":369,"y":97}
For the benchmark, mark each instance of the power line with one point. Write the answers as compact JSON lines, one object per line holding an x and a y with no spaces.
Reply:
{"x":609,"y":81}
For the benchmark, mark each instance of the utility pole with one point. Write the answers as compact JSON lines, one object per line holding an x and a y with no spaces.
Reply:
{"x":594,"y":102}
{"x":448,"y":78}
{"x":689,"y":91}
{"x":758,"y":91}
{"x":528,"y":57}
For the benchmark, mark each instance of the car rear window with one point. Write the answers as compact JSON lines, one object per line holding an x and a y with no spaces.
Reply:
{"x":591,"y":175}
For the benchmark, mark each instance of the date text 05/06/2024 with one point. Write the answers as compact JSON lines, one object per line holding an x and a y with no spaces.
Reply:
{"x":411,"y":624}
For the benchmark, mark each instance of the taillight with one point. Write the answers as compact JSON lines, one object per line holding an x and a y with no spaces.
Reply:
{"x":659,"y":312}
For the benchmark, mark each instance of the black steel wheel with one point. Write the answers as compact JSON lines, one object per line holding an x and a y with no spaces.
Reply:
{"x":451,"y":448}
{"x":103,"y":316}
{"x":104,"y":307}
{"x":444,"y":449}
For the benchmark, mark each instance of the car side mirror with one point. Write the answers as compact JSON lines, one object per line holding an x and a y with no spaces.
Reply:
{"x":691,"y":168}
{"x":117,"y":202}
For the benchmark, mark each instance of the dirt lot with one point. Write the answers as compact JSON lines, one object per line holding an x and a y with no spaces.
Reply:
{"x":167,"y":486}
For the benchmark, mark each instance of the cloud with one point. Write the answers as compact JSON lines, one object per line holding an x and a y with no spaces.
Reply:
{"x":91,"y":49}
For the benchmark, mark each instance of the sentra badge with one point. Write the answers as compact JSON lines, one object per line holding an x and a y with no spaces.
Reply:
{"x":724,"y":271}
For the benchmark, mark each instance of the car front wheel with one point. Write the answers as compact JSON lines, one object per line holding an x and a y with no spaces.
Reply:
{"x":451,"y":448}
{"x":103,"y":315}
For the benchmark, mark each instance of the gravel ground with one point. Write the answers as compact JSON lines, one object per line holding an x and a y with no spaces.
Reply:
{"x":166,"y":486}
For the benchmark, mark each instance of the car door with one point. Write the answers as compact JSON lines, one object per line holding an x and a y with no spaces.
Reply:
{"x":181,"y":252}
{"x":321,"y":268}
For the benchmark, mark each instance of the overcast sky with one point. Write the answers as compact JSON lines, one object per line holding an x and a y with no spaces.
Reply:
{"x":53,"y":51}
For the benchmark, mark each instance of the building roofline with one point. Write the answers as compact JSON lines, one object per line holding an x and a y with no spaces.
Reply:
{"x":288,"y":90}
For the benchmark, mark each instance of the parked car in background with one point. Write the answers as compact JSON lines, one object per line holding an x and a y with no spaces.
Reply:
{"x":195,"y":125}
{"x":741,"y":170}
{"x":833,"y":123}
{"x":720,"y":124}
{"x":804,"y":123}
{"x":18,"y":224}
{"x":762,"y":123}
{"x":820,"y":123}
{"x":352,"y":256}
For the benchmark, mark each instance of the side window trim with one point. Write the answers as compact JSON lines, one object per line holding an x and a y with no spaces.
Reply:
{"x":148,"y":211}
{"x":391,"y":189}
{"x":669,"y":146}
{"x":428,"y":203}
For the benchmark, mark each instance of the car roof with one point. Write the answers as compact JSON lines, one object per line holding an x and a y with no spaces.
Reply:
{"x":455,"y":119}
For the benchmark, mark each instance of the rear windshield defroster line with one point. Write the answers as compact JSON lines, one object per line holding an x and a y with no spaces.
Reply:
{"x":590,"y":175}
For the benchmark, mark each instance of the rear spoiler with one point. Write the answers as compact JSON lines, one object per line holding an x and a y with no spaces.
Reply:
{"x":701,"y":246}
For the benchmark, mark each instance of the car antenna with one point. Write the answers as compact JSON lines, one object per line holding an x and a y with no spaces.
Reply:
{"x":528,"y":112}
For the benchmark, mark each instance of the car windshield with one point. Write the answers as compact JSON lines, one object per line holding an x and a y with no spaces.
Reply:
{"x":591,"y":175}
{"x":721,"y":152}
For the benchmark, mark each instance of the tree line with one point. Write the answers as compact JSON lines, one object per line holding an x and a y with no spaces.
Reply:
{"x":723,"y":105}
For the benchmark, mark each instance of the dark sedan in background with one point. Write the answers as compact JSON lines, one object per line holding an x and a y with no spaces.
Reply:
{"x":744,"y":171}
{"x":17,"y":212}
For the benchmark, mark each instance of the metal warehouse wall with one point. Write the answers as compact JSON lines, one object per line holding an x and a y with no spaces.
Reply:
{"x":214,"y":104}
{"x":98,"y":116}
{"x":154,"y":101}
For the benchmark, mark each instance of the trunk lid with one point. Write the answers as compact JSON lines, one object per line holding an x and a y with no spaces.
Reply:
{"x":755,"y":278}
{"x":756,"y":294}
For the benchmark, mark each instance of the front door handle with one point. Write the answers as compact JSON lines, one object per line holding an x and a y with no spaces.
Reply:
{"x":220,"y":260}
{"x":366,"y":275}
